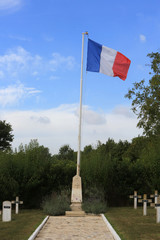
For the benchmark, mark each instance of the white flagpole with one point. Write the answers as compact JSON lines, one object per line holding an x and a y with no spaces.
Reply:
{"x":80,"y":108}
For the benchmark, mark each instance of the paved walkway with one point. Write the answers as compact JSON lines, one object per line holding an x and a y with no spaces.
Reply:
{"x":75,"y":228}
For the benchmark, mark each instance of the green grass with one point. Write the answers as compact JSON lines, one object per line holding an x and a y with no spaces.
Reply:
{"x":130,"y":224}
{"x":22,"y":225}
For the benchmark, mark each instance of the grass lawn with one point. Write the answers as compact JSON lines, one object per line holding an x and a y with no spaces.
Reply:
{"x":22,"y":225}
{"x":130,"y":224}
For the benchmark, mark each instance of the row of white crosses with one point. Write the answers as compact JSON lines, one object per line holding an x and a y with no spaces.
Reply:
{"x":137,"y":198}
{"x":7,"y":209}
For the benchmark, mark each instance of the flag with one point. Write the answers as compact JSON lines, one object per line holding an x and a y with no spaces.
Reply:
{"x":106,"y":60}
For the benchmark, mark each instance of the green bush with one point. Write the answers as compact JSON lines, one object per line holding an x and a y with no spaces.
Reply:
{"x":94,"y":201}
{"x":95,"y":207}
{"x":56,"y":205}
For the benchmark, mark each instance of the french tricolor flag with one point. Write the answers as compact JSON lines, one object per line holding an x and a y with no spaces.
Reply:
{"x":106,"y":60}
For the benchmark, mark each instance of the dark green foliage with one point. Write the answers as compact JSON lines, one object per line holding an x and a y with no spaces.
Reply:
{"x":65,"y":152}
{"x":110,"y":172}
{"x":95,"y":207}
{"x":120,"y":168}
{"x":146,"y":99}
{"x":6,"y":136}
{"x":32,"y":173}
{"x":57,"y":204}
{"x":94,"y":201}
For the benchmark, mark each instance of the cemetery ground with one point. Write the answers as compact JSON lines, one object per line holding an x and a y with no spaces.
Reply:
{"x":22,"y":225}
{"x":130,"y":223}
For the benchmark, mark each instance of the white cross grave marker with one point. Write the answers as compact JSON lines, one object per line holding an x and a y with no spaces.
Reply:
{"x":155,"y":196}
{"x":145,"y":201}
{"x":157,"y":205}
{"x":135,"y":196}
{"x":6,"y":211}
{"x":17,"y":202}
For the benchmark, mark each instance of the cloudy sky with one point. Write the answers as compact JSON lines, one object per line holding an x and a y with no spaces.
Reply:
{"x":40,"y":58}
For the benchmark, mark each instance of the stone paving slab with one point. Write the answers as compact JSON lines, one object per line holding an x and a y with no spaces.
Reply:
{"x":75,"y":228}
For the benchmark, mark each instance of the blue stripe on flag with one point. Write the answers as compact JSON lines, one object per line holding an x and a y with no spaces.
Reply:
{"x":93,"y":56}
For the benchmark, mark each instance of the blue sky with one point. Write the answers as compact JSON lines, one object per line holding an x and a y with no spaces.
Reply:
{"x":40,"y":58}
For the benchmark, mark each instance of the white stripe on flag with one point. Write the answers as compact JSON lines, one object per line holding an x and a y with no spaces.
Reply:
{"x":107,"y":60}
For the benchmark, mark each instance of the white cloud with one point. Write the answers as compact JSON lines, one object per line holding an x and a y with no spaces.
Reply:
{"x":41,"y":119}
{"x":19,"y":56}
{"x":92,"y":117}
{"x":10,"y":4}
{"x":20,"y":38}
{"x":124,"y":111}
{"x":56,"y":127}
{"x":60,"y":61}
{"x":142,"y":38}
{"x":11,"y":95}
{"x":18,"y":62}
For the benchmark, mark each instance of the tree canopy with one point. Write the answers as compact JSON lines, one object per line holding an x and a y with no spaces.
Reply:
{"x":111,"y":169}
{"x":146,"y":99}
{"x":6,"y":136}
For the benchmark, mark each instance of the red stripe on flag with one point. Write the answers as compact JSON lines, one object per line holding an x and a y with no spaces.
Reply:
{"x":121,"y":66}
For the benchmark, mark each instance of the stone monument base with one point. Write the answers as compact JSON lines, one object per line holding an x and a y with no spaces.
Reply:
{"x":76,"y":206}
{"x":75,"y":213}
{"x":76,"y":210}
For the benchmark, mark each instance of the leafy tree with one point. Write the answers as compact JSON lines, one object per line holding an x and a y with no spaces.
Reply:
{"x":6,"y":136}
{"x":65,"y":152}
{"x":146,"y":99}
{"x":135,"y":149}
{"x":87,"y":149}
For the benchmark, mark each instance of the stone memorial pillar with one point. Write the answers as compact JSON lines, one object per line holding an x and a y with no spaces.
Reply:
{"x":6,"y":211}
{"x":76,"y":198}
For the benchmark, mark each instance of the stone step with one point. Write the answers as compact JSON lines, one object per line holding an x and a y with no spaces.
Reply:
{"x":75,"y":213}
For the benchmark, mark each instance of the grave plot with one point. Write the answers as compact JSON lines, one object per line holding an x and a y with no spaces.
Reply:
{"x":17,"y":202}
{"x":145,"y":201}
{"x":6,"y":211}
{"x":135,"y":197}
